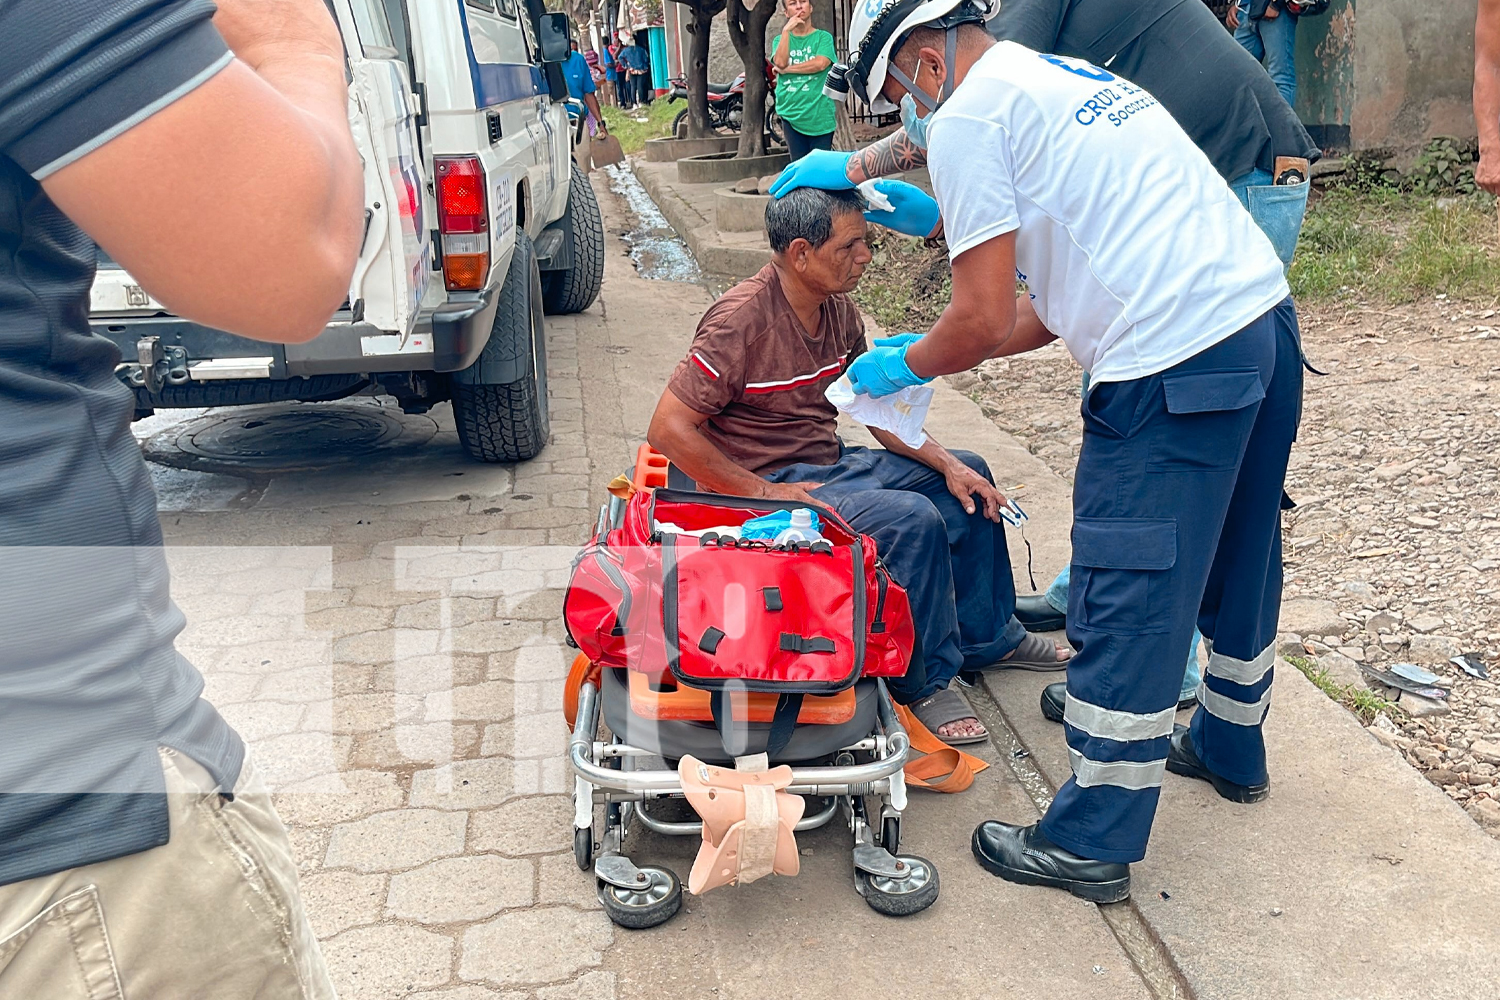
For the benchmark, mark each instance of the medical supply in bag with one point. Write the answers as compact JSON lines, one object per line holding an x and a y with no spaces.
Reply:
{"x":800,"y":530}
{"x":722,"y":530}
{"x":902,"y":413}
{"x":771,"y":527}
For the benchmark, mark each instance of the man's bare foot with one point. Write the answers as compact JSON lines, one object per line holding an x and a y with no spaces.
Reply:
{"x":963,"y":727}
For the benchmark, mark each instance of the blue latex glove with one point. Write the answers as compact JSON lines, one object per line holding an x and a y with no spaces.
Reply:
{"x":913,"y":210}
{"x":881,"y":371}
{"x":822,"y":168}
{"x":899,"y":340}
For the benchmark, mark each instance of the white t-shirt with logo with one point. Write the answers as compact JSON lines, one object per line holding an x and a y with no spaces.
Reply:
{"x":1136,"y":253}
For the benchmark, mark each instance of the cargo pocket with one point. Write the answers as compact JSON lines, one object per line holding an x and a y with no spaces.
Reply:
{"x":62,"y":952}
{"x":1120,"y":569}
{"x":1211,"y":414}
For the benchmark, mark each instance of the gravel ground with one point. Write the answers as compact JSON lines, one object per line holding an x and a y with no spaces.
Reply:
{"x":1393,"y":553}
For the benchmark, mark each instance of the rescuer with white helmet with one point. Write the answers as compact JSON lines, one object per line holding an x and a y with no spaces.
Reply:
{"x":1063,"y":176}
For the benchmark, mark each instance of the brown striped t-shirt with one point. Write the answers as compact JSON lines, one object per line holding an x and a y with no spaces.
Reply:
{"x":761,"y":376}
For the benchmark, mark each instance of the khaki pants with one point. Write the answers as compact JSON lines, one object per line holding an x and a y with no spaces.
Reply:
{"x":212,"y":915}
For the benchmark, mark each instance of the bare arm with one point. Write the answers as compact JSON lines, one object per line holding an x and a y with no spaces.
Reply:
{"x":963,"y":482}
{"x":816,"y":64}
{"x":239,"y":205}
{"x":1487,"y":93}
{"x":677,"y":432}
{"x":895,"y":154}
{"x":782,"y":56}
{"x":983,"y":319}
{"x":591,"y":101}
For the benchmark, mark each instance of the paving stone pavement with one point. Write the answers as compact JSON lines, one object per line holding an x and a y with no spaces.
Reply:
{"x":385,"y":630}
{"x":390,"y":646}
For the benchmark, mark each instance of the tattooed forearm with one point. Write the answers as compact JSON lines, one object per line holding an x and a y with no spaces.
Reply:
{"x":895,"y":154}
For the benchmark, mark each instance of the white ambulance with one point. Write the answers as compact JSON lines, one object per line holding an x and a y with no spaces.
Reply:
{"x":476,"y":223}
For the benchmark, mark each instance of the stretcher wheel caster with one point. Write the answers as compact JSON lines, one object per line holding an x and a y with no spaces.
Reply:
{"x":583,"y":848}
{"x":890,"y":833}
{"x":903,"y":897}
{"x":654,"y":902}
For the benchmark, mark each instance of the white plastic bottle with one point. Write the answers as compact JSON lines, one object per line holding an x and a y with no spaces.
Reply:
{"x":801,"y":529}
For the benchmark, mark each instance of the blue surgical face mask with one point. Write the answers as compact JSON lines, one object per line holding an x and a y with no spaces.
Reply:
{"x":914,"y":123}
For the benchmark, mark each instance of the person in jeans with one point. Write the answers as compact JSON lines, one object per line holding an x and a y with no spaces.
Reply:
{"x":744,"y":414}
{"x":209,"y":154}
{"x":802,"y":56}
{"x":1269,"y":33}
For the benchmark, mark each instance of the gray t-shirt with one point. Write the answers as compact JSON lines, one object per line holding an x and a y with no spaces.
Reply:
{"x":90,"y":684}
{"x":1179,"y":52}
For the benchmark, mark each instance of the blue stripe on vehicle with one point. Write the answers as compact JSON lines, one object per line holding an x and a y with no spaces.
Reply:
{"x":499,"y":83}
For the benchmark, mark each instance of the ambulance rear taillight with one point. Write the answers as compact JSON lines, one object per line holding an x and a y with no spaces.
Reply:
{"x":463,"y":222}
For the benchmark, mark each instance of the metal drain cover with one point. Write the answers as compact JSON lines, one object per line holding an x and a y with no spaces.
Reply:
{"x":285,"y":437}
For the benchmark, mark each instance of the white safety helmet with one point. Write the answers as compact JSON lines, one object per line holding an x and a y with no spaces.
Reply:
{"x":874,"y":31}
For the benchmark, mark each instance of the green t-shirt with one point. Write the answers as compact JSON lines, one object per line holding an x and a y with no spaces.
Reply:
{"x":799,"y":96}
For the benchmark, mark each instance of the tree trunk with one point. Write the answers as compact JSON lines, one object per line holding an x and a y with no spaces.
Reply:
{"x":747,"y":30}
{"x":700,"y":28}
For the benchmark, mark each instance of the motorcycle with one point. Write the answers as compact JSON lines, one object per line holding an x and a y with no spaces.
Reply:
{"x":726,"y":105}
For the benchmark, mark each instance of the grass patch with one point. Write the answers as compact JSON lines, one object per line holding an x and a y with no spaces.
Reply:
{"x":633,"y":134}
{"x":1361,"y":701}
{"x":1390,"y":246}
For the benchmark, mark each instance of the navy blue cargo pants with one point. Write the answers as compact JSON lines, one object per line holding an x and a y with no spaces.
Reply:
{"x":1177,"y":521}
{"x":954,"y":565}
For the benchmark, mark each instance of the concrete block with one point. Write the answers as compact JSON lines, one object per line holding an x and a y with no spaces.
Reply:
{"x":387,"y":961}
{"x":465,"y":784}
{"x":336,"y":901}
{"x":722,"y":168}
{"x":539,"y":825}
{"x":740,"y":212}
{"x":669,"y":150}
{"x":338,"y":798}
{"x":392,"y":841}
{"x":538,"y":946}
{"x":465,"y":888}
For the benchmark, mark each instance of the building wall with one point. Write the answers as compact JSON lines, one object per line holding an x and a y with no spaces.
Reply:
{"x":1394,"y":76}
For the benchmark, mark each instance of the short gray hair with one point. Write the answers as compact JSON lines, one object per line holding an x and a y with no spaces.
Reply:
{"x":806,"y":213}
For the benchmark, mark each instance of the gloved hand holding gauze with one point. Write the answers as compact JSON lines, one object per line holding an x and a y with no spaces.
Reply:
{"x":902,"y":413}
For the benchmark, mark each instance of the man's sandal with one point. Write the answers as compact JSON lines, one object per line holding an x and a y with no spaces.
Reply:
{"x":948,"y":705}
{"x":1034,"y":653}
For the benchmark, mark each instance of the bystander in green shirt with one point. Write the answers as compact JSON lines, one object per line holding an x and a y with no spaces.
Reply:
{"x":799,"y":96}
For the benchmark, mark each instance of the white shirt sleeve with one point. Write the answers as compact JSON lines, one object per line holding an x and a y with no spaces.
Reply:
{"x":973,"y":175}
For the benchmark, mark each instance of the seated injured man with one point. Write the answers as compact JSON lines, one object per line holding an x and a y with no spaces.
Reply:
{"x":744,"y":414}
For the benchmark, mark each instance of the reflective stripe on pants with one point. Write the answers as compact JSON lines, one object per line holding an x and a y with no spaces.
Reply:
{"x":1176,"y":521}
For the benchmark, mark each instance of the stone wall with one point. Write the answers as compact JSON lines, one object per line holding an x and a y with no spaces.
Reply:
{"x":1392,"y":77}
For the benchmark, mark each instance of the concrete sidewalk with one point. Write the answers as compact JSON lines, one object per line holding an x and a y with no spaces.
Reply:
{"x":1355,"y":879}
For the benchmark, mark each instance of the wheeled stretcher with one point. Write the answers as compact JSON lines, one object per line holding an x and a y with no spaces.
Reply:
{"x":633,"y":729}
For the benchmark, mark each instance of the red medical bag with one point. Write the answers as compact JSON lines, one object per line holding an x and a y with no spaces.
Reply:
{"x":721,"y":612}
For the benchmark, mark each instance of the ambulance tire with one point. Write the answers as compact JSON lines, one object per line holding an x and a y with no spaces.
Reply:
{"x":902,"y":899}
{"x":575,"y":289}
{"x":508,"y":422}
{"x":637,"y":909}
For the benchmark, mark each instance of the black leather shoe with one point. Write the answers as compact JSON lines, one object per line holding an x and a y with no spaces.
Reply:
{"x":1038,"y":616}
{"x":1055,"y":696}
{"x":1183,"y":759}
{"x":1023,"y":855}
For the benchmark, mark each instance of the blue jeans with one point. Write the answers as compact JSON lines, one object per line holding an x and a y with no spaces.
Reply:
{"x":955,"y":566}
{"x":1277,"y":209}
{"x":1273,"y":43}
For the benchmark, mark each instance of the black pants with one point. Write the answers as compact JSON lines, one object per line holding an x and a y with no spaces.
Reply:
{"x":799,"y":145}
{"x":643,"y":88}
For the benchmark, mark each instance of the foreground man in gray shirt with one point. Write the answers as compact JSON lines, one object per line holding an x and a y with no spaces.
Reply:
{"x":210,"y":155}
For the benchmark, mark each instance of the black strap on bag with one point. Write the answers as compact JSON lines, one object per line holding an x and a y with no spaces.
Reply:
{"x":783,"y":722}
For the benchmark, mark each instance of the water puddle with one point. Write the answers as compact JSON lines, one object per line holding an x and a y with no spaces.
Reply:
{"x":655,"y":248}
